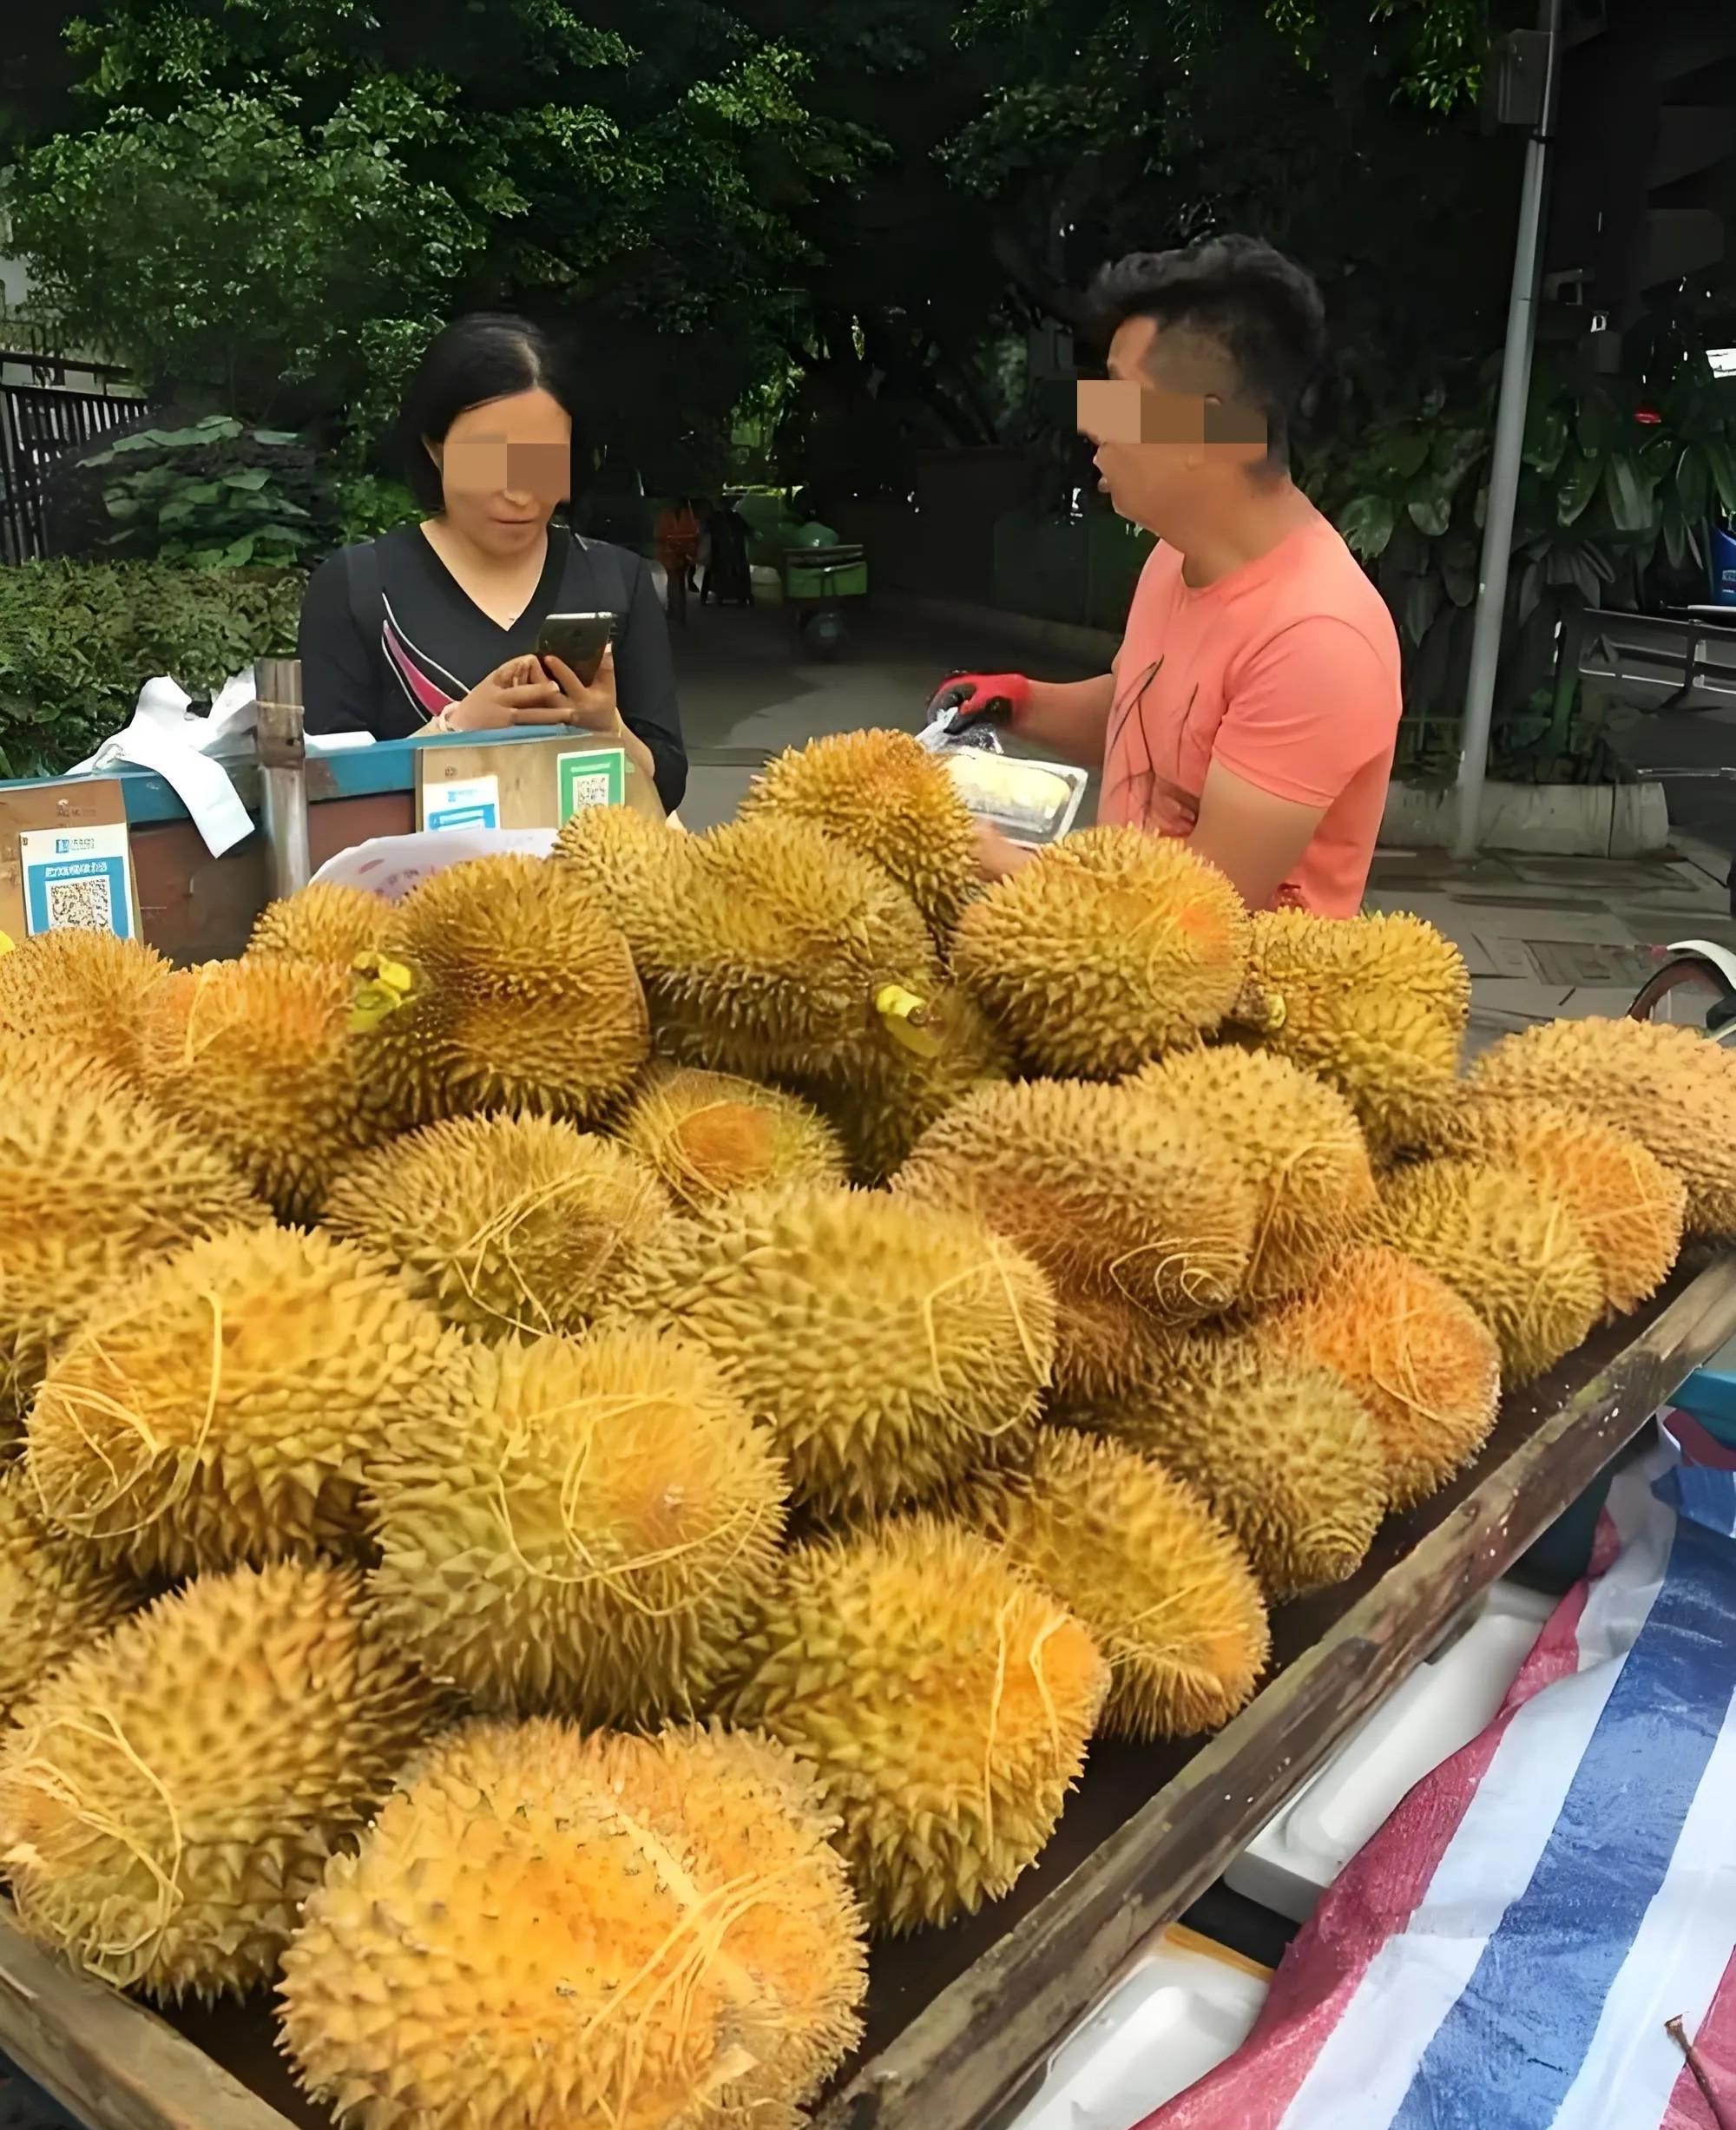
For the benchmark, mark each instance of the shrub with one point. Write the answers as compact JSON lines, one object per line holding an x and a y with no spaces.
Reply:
{"x":79,"y":640}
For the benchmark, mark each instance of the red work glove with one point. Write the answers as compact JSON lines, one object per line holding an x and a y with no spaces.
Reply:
{"x":981,"y":698}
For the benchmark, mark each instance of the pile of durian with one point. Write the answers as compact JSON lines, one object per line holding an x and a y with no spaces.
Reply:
{"x":579,"y":1442}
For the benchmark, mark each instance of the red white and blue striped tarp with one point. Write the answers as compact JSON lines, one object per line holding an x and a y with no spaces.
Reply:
{"x":1506,"y":1952}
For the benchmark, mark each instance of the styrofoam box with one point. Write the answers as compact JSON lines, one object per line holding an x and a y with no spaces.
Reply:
{"x":1441,"y":1706}
{"x":1182,"y":2006}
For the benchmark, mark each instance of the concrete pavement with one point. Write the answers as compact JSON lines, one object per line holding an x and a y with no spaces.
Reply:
{"x":1543,"y":937}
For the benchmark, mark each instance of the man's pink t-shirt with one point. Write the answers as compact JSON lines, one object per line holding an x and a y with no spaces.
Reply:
{"x":1287,"y":672}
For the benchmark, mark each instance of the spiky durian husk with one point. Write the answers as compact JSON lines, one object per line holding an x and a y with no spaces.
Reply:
{"x":584,"y":1534}
{"x":881,"y":1101}
{"x":889,"y":1346}
{"x":1669,"y":1086}
{"x":523,"y":998}
{"x":549,"y":1932}
{"x":765,"y":950}
{"x":258,"y":1057}
{"x":1421,"y":1360}
{"x":80,"y":993}
{"x":1113,"y":1195}
{"x":505,"y":1225}
{"x":1108,"y":948}
{"x":215,"y":1411}
{"x":169,"y":1799}
{"x":1376,"y":1006}
{"x":1298,"y":1147}
{"x":890,"y":799}
{"x":945,"y":1700}
{"x":1630,"y":1208}
{"x":320,"y":923}
{"x":628,"y":862}
{"x":55,"y":1598}
{"x":1140,"y":1558}
{"x":1283,"y":1451}
{"x":1105,"y":1349}
{"x":708,"y":1135}
{"x":1513,"y":1250}
{"x":95,"y":1186}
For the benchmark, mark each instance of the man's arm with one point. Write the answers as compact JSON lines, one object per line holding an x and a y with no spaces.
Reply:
{"x":1069,"y":718}
{"x":1316,"y":707}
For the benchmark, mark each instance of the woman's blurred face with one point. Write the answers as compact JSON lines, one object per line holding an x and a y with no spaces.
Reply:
{"x":504,"y":468}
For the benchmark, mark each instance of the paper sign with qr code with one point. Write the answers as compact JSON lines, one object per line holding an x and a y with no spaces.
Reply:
{"x":77,"y":879}
{"x":596,"y":778}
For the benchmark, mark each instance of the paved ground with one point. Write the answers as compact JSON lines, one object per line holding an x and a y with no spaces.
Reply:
{"x":1543,"y":937}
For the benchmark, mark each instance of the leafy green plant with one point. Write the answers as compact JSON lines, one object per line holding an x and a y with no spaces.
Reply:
{"x":1617,"y":480}
{"x":370,"y":504}
{"x":79,"y":640}
{"x":215,"y":495}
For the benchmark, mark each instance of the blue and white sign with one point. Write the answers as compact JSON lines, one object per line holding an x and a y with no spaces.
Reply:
{"x":472,"y":802}
{"x":77,"y":879}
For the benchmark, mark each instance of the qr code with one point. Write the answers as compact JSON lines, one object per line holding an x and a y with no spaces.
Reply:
{"x":592,"y":790}
{"x":80,"y":906}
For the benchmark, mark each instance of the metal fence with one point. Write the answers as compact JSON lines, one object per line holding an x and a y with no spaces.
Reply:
{"x":38,"y":423}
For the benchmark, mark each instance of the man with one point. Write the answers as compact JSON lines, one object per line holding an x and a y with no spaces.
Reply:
{"x":1253,"y":706}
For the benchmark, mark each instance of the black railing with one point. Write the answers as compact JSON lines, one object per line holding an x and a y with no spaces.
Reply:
{"x":38,"y":423}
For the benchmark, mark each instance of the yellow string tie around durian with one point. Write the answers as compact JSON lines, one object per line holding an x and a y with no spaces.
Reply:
{"x":384,"y":986}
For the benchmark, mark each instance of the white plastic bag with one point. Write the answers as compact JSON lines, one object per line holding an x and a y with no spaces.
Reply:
{"x":393,"y":865}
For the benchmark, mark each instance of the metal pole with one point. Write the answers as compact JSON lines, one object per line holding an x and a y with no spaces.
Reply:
{"x":1504,"y":465}
{"x":283,"y":773}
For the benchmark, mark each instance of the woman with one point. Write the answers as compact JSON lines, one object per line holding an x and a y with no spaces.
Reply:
{"x":434,"y":626}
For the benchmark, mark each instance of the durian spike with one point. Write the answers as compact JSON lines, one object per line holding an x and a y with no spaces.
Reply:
{"x":169,"y":1797}
{"x":82,"y":992}
{"x":1670,"y":1087}
{"x":611,"y":1934}
{"x":321,"y":922}
{"x":1138,"y":1557}
{"x":1110,"y":948}
{"x":56,"y":1600}
{"x":944,"y":1700}
{"x":1422,"y":1361}
{"x":711,"y":1134}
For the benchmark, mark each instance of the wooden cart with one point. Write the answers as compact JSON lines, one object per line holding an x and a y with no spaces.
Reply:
{"x":959,"y":2019}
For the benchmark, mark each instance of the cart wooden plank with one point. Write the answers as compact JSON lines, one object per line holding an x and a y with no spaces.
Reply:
{"x":107,"y":2060}
{"x":959,"y":2019}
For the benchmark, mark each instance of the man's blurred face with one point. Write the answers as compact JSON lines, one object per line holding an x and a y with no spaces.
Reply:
{"x":1161,"y":424}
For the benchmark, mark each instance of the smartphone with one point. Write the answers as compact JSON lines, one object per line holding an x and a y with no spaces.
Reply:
{"x":579,"y":640}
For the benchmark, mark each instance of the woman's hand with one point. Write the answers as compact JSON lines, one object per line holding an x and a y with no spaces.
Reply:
{"x":518,"y":692}
{"x":998,"y":857}
{"x":592,"y":709}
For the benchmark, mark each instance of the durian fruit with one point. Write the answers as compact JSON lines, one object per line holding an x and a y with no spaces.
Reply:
{"x":55,"y":1599}
{"x":550,"y":1932}
{"x":1513,"y":1250}
{"x":1421,"y":1360}
{"x":770,"y":950}
{"x":944,"y":1698}
{"x":169,"y":1798}
{"x":1109,"y":948}
{"x":1629,"y":1207}
{"x":321,"y":922}
{"x":1138,"y":1557}
{"x":629,"y":862}
{"x":1298,"y":1146}
{"x":94,"y":1187}
{"x":709,"y":1134}
{"x":889,"y":1346}
{"x":1378,"y":1006}
{"x":888,"y":798}
{"x":1105,"y":1349}
{"x":505,"y":1225}
{"x":258,"y":1058}
{"x":80,"y":993}
{"x":1283,"y":1451}
{"x":216,"y":1409}
{"x":881,"y":1101}
{"x":1112,"y":1194}
{"x":585,"y":1533}
{"x":1669,"y":1086}
{"x":522,"y":997}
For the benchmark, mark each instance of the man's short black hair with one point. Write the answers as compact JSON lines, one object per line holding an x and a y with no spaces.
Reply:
{"x":1262,"y":309}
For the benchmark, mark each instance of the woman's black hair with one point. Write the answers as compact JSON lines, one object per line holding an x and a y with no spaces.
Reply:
{"x":488,"y":355}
